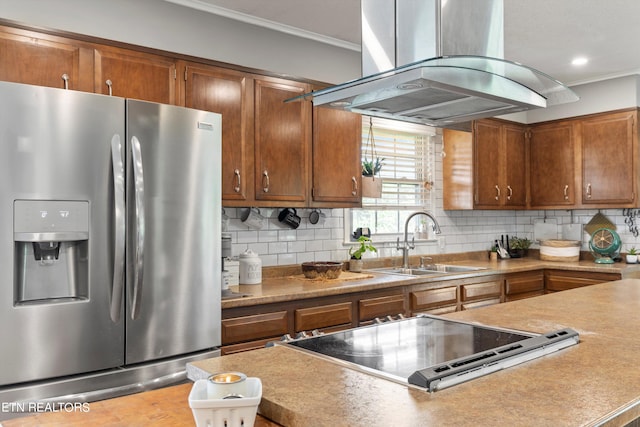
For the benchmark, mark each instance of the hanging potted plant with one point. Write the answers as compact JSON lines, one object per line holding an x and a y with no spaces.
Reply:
{"x":371,"y":185}
{"x":356,"y":252}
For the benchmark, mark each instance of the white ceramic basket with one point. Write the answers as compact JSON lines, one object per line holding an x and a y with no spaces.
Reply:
{"x":211,"y":409}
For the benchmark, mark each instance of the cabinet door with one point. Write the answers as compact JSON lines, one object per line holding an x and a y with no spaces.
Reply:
{"x":39,"y":59}
{"x":336,"y":170}
{"x":335,"y":316}
{"x":558,"y":280}
{"x":516,"y":166}
{"x":488,"y":167}
{"x":552,"y":165}
{"x":524,"y":285}
{"x":425,"y":301}
{"x":608,"y":159}
{"x":129,"y":74}
{"x":229,"y":93}
{"x":254,"y":327}
{"x":282,"y":142}
{"x":371,"y":308}
{"x":457,"y":169}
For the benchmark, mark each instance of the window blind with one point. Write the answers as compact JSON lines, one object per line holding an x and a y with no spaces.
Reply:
{"x":407,"y":170}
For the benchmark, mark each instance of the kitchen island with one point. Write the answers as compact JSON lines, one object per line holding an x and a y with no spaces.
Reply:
{"x":596,"y":382}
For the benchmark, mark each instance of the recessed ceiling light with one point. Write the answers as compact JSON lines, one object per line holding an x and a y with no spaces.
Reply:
{"x":580,"y":60}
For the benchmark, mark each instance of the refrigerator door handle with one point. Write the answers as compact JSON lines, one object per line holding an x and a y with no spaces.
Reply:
{"x":138,"y":185}
{"x":119,"y":228}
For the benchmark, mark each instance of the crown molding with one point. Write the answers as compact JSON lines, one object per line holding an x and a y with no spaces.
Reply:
{"x":254,"y":20}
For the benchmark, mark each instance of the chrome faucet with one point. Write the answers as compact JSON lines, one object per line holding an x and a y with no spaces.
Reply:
{"x":406,"y":245}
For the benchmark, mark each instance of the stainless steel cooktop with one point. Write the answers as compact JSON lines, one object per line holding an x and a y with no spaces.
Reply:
{"x":431,"y":352}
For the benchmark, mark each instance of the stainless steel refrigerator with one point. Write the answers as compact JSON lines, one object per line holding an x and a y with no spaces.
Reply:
{"x":109,"y":243}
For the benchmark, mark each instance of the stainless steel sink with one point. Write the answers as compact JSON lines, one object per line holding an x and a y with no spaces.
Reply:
{"x":428,"y":270}
{"x":448,"y":268}
{"x":408,"y":271}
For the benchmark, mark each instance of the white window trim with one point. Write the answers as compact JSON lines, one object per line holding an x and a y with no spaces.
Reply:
{"x":386,"y":238}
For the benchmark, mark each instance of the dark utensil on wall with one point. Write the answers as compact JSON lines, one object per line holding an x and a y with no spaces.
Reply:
{"x":289,"y":216}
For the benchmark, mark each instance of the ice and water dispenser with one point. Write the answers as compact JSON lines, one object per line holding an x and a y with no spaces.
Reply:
{"x":51,"y":244}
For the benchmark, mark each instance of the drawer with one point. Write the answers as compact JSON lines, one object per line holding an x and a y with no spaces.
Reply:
{"x":254,"y":327}
{"x":431,"y":298}
{"x":379,"y":307}
{"x":481,"y":290}
{"x":307,"y":319}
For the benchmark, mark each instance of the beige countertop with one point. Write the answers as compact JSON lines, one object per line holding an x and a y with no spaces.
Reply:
{"x":294,"y":285}
{"x":596,"y":382}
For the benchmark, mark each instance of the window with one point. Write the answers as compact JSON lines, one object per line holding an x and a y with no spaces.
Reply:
{"x":407,"y":177}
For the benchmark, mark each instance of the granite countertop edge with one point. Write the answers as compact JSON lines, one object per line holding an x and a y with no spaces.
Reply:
{"x":294,"y":287}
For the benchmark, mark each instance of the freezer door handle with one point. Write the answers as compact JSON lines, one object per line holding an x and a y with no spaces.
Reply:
{"x":138,"y":187}
{"x":119,"y":228}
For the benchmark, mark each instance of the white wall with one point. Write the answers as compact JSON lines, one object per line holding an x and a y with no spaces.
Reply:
{"x":596,"y":97}
{"x":167,"y":26}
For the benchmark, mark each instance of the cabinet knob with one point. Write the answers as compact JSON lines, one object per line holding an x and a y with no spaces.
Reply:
{"x":354,"y":186}
{"x":265,"y":181}
{"x":236,"y":188}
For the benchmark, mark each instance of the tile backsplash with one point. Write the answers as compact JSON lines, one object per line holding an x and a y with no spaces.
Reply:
{"x":462,"y":231}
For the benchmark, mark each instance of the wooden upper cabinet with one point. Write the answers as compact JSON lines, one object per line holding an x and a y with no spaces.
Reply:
{"x":499,"y":165}
{"x":336,"y":170}
{"x":552,"y":165}
{"x":609,"y":159}
{"x":129,"y":74}
{"x":516,"y":166}
{"x":229,"y":93}
{"x":489,"y":173}
{"x":457,"y":169}
{"x":282,"y":142}
{"x":43,"y":60}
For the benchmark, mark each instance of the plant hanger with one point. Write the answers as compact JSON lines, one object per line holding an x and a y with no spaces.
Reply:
{"x":374,"y":165}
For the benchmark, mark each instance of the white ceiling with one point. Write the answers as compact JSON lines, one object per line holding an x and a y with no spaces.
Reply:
{"x":543,"y":34}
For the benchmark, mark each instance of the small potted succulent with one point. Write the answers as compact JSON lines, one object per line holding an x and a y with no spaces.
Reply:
{"x":493,"y":254}
{"x":371,"y":184}
{"x":518,"y":247}
{"x":356,"y":252}
{"x":632,"y":256}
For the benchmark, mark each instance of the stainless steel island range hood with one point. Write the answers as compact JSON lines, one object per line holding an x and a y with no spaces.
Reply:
{"x":439,"y":62}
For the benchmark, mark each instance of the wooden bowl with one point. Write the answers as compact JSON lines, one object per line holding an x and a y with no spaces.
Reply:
{"x":322,"y":269}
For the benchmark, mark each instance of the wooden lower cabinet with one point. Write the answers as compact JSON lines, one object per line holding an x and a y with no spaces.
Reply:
{"x":480,"y":293}
{"x":380,"y":307}
{"x":523,"y":285}
{"x":252,"y":327}
{"x":334,"y":316}
{"x":560,"y":280}
{"x":253,"y":331}
{"x":434,"y":300}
